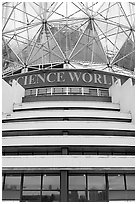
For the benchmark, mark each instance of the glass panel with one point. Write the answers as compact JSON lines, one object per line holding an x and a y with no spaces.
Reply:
{"x":12,"y":183}
{"x":93,"y":92}
{"x":32,"y":91}
{"x":48,"y":91}
{"x":77,"y":182}
{"x":130,"y":180}
{"x":59,"y":90}
{"x":11,"y":195}
{"x":96,"y":183}
{"x":31,"y":196}
{"x":42,"y":91}
{"x":96,"y":196}
{"x":86,"y":90}
{"x":51,"y":182}
{"x":32,"y":182}
{"x":121,"y":195}
{"x":104,"y":92}
{"x":11,"y":188}
{"x":77,"y":196}
{"x":50,"y":196}
{"x":27,"y":92}
{"x":116,"y":182}
{"x":74,"y":90}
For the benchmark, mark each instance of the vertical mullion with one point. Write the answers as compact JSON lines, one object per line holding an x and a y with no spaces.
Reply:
{"x":125,"y":182}
{"x":51,"y":91}
{"x":107,"y":188}
{"x":86,"y":187}
{"x":4,"y":181}
{"x":21,"y":186}
{"x":41,"y":187}
{"x":36,"y":92}
{"x":67,"y":90}
{"x":63,"y":186}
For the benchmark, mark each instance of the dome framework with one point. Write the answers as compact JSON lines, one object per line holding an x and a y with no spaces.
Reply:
{"x":46,"y":34}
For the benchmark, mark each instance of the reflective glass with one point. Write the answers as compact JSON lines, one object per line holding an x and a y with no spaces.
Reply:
{"x":50,"y":196}
{"x":74,"y":90}
{"x":77,"y":182}
{"x":42,"y":91}
{"x":77,"y":196}
{"x":51,"y":182}
{"x":96,"y":183}
{"x":31,"y":196}
{"x":104,"y":92}
{"x":11,"y":188}
{"x":59,"y":90}
{"x":130,"y":181}
{"x":121,"y":195}
{"x":96,"y":196}
{"x":11,"y":195}
{"x":31,"y":182}
{"x":116,"y":182}
{"x":86,"y":90}
{"x":93,"y":92}
{"x":12,"y":183}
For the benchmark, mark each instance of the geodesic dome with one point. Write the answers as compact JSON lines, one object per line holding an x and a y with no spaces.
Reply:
{"x":39,"y":35}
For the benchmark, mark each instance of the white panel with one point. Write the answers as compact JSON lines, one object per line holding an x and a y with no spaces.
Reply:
{"x":68,"y":161}
{"x":125,"y":96}
{"x":68,"y":140}
{"x":68,"y":113}
{"x":39,"y":125}
{"x":90,"y":104}
{"x":7,"y":100}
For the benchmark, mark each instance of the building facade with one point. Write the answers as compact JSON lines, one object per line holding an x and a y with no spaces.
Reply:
{"x":68,"y":102}
{"x":68,"y":143}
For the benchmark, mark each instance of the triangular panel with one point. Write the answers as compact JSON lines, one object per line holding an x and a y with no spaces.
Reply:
{"x":89,"y":47}
{"x":126,"y":56}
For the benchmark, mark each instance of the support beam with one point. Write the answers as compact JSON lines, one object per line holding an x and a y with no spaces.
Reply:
{"x":64,"y":186}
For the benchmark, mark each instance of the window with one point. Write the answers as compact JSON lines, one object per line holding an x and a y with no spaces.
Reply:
{"x":31,"y":196}
{"x":96,"y":183}
{"x":92,"y":92}
{"x":96,"y":188}
{"x":51,"y":182}
{"x":116,"y":182}
{"x":104,"y":92}
{"x":31,"y":188}
{"x":42,"y":91}
{"x":77,"y":196}
{"x":50,"y":196}
{"x":96,"y":196}
{"x":130,"y":181}
{"x":74,"y":90}
{"x":86,"y":90}
{"x":121,"y":195}
{"x":32,"y":182}
{"x":77,"y":188}
{"x":81,"y":187}
{"x":11,"y":188}
{"x":77,"y":182}
{"x":59,"y":90}
{"x":51,"y":188}
{"x":116,"y":187}
{"x":27,"y":92}
{"x":32,"y":92}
